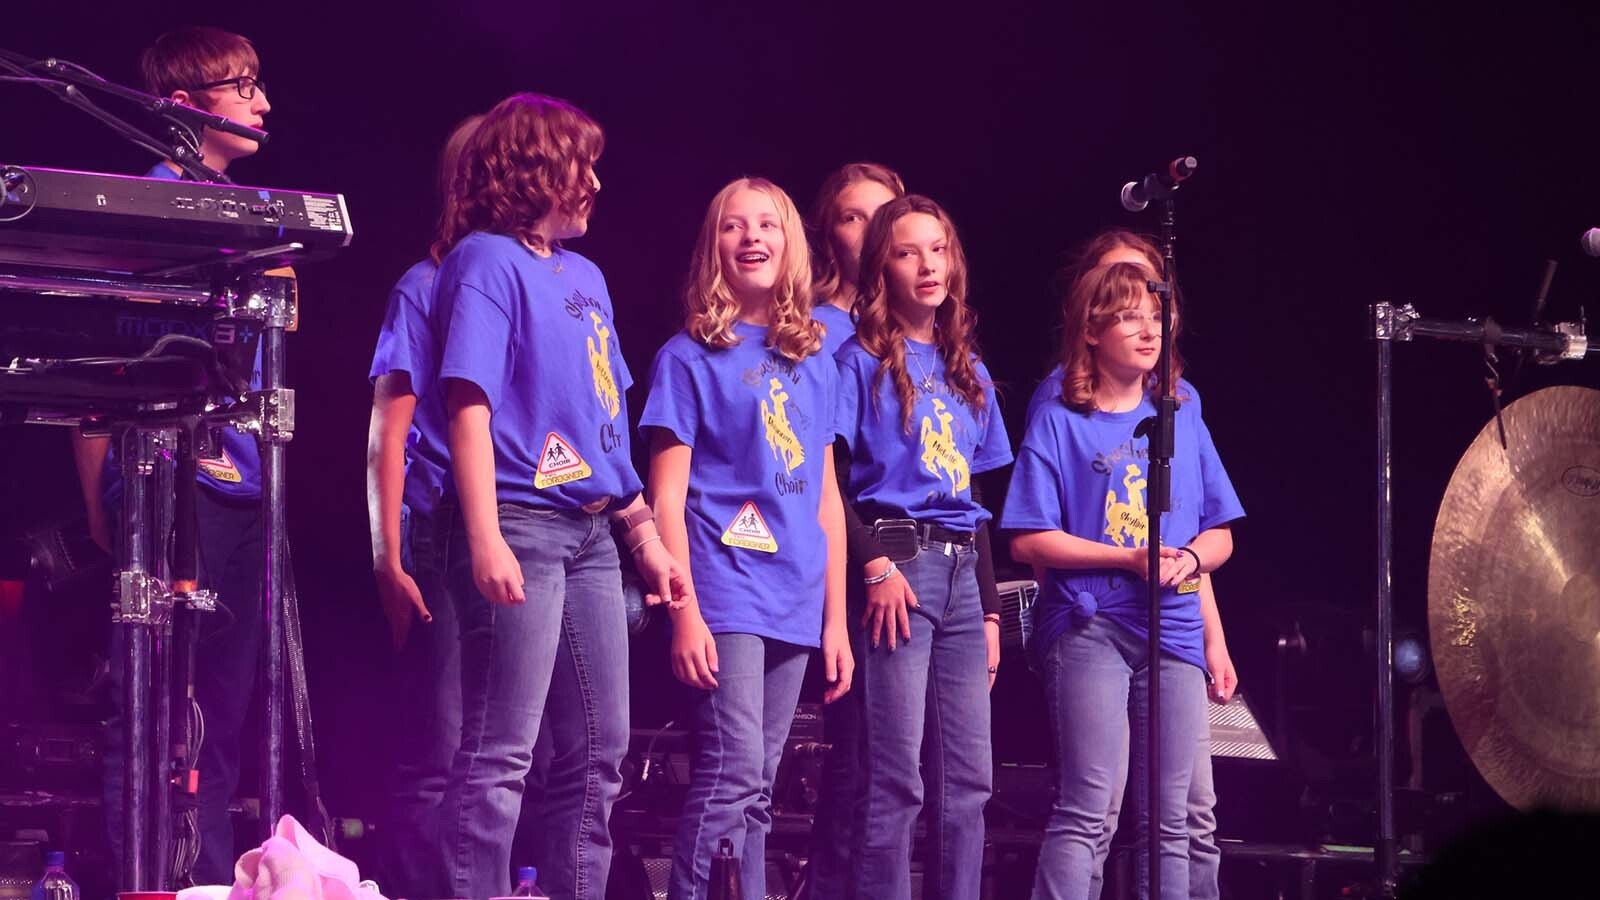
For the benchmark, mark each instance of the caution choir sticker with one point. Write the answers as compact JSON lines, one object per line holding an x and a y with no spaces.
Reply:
{"x":749,"y":530}
{"x":559,"y":463}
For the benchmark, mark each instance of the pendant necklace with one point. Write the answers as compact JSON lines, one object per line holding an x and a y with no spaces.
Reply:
{"x":927,"y":378}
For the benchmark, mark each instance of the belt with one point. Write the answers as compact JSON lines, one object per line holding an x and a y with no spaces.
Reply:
{"x":928,"y":535}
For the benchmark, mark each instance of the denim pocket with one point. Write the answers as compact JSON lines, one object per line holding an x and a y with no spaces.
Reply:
{"x":526,"y":513}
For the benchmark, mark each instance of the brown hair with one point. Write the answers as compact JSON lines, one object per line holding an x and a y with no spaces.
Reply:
{"x":826,"y":216}
{"x":184,"y":59}
{"x":450,"y":163}
{"x":881,"y":334}
{"x":1095,"y":297}
{"x":712,"y":308}
{"x":531,"y":155}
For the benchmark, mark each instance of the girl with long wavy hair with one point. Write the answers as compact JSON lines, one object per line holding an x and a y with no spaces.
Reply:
{"x":741,"y":419}
{"x":918,"y":413}
{"x":1077,"y":503}
{"x":845,"y":205}
{"x":1116,"y":245}
{"x":534,"y":387}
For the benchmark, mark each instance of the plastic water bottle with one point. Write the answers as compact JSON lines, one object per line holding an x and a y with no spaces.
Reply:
{"x":56,"y":883}
{"x":528,"y":884}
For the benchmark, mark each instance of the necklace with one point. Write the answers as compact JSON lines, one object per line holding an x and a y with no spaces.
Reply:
{"x":927,"y":378}
{"x":553,"y":258}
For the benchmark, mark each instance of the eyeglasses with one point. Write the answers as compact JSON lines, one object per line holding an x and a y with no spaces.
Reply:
{"x":1133,"y":321}
{"x":246,"y":85}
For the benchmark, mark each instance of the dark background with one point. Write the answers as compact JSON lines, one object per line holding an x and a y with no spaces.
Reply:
{"x":1349,"y":153}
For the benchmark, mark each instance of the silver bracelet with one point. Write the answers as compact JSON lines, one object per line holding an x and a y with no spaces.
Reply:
{"x":880,"y":579}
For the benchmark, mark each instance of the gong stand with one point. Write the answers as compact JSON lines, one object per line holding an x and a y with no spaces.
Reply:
{"x":1390,"y":323}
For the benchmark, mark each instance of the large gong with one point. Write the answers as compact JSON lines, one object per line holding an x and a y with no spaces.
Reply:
{"x":1514,"y":601}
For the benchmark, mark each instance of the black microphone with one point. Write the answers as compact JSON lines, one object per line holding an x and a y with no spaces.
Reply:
{"x":1590,"y":242}
{"x":1136,"y":195}
{"x":166,"y":106}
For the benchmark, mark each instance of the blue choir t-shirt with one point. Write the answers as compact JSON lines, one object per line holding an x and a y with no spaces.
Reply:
{"x":837,"y":321}
{"x":1086,"y":475}
{"x":536,"y":335}
{"x":235,"y":472}
{"x":759,"y":425}
{"x":928,"y":473}
{"x":406,"y":344}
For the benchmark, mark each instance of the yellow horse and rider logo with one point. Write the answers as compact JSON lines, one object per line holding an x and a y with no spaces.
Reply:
{"x":605,"y":384}
{"x":939,"y":451}
{"x":786,"y":447}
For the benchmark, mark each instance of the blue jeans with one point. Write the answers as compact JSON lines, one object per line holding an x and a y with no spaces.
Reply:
{"x":936,"y":682}
{"x":567,"y":644}
{"x":738,"y":731}
{"x":227,"y":655}
{"x":1205,"y":858}
{"x":1096,"y":684}
{"x":428,"y":697}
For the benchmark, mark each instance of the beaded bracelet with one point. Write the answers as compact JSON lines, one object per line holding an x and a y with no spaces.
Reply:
{"x":880,"y":579}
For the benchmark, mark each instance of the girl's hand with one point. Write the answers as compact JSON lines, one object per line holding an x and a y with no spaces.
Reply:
{"x":888,"y":605}
{"x":1177,"y":567}
{"x":694,"y":650}
{"x":401,"y":600}
{"x":661,"y":571}
{"x":496,"y":572}
{"x":1224,"y":680}
{"x":838,"y":664}
{"x":991,"y":640}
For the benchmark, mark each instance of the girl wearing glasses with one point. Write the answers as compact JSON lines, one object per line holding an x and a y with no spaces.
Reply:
{"x":918,"y":412}
{"x":1078,"y":504}
{"x":1112,"y":246}
{"x":758,"y":520}
{"x":534,"y":386}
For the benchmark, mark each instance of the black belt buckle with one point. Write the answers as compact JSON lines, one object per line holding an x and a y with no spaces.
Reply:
{"x":901,"y":539}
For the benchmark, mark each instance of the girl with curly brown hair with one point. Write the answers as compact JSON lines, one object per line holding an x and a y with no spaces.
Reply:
{"x":534,"y":387}
{"x":918,"y":412}
{"x":741,"y":420}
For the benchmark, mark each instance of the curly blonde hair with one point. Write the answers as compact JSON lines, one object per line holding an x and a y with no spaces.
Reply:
{"x":712,"y":308}
{"x":955,"y":324}
{"x":531,"y":155}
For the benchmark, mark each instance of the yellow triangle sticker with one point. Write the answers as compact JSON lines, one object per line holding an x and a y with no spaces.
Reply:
{"x":749,"y":530}
{"x":559,"y":463}
{"x":220,"y":469}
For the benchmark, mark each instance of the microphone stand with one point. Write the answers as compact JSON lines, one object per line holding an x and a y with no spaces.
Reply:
{"x":1158,"y":499}
{"x":64,"y":84}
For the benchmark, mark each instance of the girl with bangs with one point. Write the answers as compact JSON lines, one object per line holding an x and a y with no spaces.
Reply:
{"x":741,"y":421}
{"x":1077,"y":500}
{"x":844,"y":207}
{"x":533,"y":384}
{"x":1116,"y":245}
{"x":918,"y":413}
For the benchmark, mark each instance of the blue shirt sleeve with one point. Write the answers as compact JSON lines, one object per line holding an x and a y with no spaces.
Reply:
{"x":478,"y":345}
{"x":1220,"y":504}
{"x":673,"y":404}
{"x":1034,"y":502}
{"x":994,"y":445}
